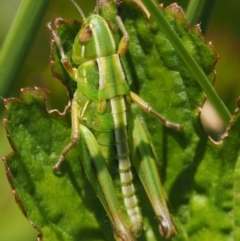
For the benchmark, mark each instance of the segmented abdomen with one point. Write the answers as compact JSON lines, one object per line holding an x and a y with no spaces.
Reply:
{"x":118,"y":110}
{"x":110,"y":130}
{"x":106,"y":117}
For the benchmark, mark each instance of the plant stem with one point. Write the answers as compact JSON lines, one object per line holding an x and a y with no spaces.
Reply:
{"x":192,"y":65}
{"x":17,"y":43}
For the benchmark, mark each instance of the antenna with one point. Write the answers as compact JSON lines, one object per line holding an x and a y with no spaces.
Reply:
{"x":96,"y":10}
{"x":78,"y":8}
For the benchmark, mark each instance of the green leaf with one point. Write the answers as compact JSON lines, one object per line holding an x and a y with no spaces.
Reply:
{"x":60,"y":207}
{"x":200,"y":178}
{"x":186,"y":56}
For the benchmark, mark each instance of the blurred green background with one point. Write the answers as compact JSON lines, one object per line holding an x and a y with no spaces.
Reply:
{"x":224,"y":32}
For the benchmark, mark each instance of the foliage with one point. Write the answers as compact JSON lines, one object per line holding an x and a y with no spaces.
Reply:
{"x":200,"y":178}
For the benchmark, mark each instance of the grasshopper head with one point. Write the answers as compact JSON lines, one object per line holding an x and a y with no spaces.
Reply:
{"x":95,"y":39}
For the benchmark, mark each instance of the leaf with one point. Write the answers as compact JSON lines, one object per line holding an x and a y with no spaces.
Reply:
{"x":191,"y":166}
{"x":60,"y":207}
{"x":213,"y":206}
{"x":200,"y":178}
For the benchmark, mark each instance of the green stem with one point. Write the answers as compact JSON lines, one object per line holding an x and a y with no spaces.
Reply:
{"x":18,"y":40}
{"x":193,"y":67}
{"x":200,"y":11}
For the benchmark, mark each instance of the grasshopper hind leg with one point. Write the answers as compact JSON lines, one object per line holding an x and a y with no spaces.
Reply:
{"x":98,"y":175}
{"x":147,"y":108}
{"x":148,"y":174}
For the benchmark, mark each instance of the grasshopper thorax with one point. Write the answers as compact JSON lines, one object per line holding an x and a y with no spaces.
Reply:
{"x":95,"y":39}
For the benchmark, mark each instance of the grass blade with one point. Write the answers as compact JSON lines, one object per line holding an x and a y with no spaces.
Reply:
{"x":18,"y":40}
{"x":200,"y":11}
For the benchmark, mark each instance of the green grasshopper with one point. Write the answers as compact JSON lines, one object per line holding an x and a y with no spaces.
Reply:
{"x":100,"y":113}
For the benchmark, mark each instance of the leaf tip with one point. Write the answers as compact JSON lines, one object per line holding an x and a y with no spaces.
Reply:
{"x":232,"y":120}
{"x":4,"y":121}
{"x":197,"y":27}
{"x":8,"y":171}
{"x":58,"y":21}
{"x":161,"y":5}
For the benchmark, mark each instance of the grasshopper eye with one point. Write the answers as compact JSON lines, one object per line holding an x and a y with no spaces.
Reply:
{"x":85,"y":35}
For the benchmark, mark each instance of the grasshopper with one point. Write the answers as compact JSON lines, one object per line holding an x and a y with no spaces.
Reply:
{"x":100,"y":114}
